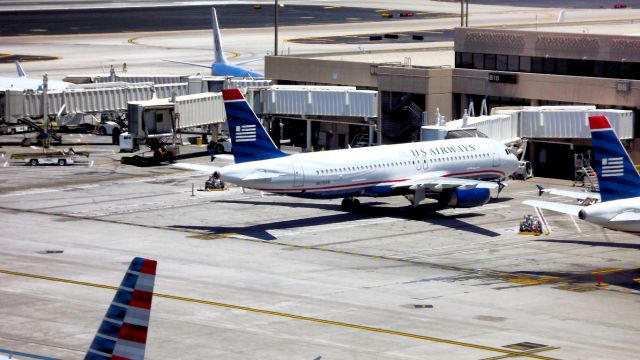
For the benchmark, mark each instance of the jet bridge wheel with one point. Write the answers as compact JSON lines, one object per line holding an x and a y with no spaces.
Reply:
{"x":350,"y":204}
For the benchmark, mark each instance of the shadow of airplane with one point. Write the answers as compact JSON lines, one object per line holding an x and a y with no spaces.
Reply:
{"x":261,"y":231}
{"x":594,"y":243}
{"x":585,"y":281}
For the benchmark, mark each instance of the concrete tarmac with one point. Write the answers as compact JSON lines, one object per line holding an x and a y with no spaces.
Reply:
{"x":246,"y":275}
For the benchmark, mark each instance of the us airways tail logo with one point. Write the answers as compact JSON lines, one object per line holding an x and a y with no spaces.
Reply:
{"x":612,"y":167}
{"x":245,"y":133}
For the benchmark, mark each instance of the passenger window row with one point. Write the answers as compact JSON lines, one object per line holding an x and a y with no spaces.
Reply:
{"x":397,"y":164}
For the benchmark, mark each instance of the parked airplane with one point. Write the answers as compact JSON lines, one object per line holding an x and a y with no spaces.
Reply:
{"x":23,"y":82}
{"x":618,"y":179}
{"x":123,"y":332}
{"x":221,"y":66}
{"x":456,"y":172}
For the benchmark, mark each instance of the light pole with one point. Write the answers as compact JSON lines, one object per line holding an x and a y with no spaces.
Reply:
{"x":275,"y":28}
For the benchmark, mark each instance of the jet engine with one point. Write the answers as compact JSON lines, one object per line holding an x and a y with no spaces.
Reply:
{"x":458,"y":198}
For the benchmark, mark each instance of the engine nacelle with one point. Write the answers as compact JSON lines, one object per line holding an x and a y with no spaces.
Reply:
{"x":582,"y":214}
{"x":459,"y":198}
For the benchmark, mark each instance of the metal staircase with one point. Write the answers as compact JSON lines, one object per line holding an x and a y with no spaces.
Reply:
{"x":584,"y":173}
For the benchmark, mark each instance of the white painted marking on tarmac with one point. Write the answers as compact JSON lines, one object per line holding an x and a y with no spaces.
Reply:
{"x":483,"y":208}
{"x":331,"y":227}
{"x":575,"y":223}
{"x":5,"y":164}
{"x":91,"y":163}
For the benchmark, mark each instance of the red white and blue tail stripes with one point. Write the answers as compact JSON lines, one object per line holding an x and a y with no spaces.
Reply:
{"x":249,"y":139}
{"x":123,"y":331}
{"x":617,"y":176}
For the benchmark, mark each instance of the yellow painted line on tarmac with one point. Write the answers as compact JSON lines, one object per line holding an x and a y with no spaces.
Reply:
{"x":290,"y":316}
{"x":606,"y":271}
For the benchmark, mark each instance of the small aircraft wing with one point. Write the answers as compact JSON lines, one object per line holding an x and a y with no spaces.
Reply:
{"x":626,"y":216}
{"x":437,"y":182}
{"x":580,"y":195}
{"x":568,"y":209}
{"x":197,"y":167}
{"x":208,"y":66}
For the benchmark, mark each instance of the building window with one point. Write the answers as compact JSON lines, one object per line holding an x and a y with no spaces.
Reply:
{"x":537,"y":65}
{"x":513,"y":63}
{"x":613,"y":69}
{"x":501,"y":62}
{"x":478,"y":61}
{"x":490,"y":61}
{"x":599,"y":68}
{"x":525,"y":64}
{"x":549,"y":65}
{"x":561,"y":66}
{"x":466,"y":60}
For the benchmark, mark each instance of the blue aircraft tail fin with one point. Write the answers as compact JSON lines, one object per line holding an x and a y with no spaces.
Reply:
{"x":20,"y":70}
{"x":249,"y":139}
{"x":217,"y":39}
{"x":123,"y":331}
{"x":617,"y":176}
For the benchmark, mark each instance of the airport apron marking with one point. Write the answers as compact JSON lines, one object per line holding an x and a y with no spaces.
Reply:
{"x":290,"y":316}
{"x":520,"y":279}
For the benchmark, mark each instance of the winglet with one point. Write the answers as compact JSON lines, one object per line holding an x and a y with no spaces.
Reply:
{"x":20,"y":70}
{"x":123,"y":332}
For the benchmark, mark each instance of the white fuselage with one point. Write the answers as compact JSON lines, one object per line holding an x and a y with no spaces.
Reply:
{"x":372,"y":171}
{"x":611,"y":214}
{"x":24,"y":83}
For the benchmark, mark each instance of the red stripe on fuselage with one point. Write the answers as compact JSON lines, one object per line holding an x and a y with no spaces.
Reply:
{"x":347,"y":186}
{"x":599,"y":122}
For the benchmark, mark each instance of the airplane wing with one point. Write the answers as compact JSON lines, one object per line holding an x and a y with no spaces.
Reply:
{"x":436,"y":182}
{"x":568,"y":209}
{"x":245,"y":61}
{"x":580,"y":195}
{"x":197,"y":167}
{"x":208,"y":66}
{"x":626,"y":216}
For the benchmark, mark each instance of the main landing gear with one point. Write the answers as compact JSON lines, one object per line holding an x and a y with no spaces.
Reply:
{"x":350,"y":204}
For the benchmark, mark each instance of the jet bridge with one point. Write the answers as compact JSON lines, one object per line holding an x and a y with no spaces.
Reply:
{"x":336,"y":110}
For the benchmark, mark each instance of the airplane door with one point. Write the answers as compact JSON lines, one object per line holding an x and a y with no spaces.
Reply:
{"x":298,"y":175}
{"x":496,"y":156}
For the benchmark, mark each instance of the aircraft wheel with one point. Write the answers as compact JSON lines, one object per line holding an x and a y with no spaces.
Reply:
{"x":350,"y":204}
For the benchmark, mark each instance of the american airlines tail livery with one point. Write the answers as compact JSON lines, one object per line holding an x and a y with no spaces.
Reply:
{"x":618,"y":179}
{"x":123,"y":331}
{"x":457,"y":172}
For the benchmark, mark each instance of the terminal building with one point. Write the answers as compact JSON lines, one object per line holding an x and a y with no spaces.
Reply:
{"x":502,"y":68}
